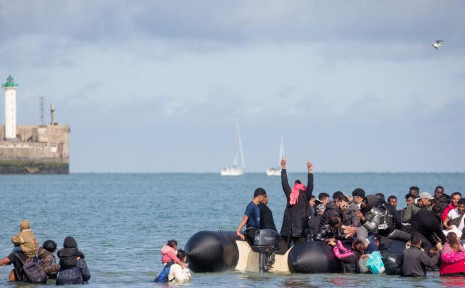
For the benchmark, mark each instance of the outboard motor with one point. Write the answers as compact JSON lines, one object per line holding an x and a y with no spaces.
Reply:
{"x":266,"y":243}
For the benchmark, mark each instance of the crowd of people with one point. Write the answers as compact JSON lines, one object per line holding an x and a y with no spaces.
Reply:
{"x":36,"y":264}
{"x":359,"y":224}
{"x":356,"y":226}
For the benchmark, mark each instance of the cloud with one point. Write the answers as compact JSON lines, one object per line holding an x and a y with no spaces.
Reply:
{"x":236,"y":23}
{"x":174,"y":108}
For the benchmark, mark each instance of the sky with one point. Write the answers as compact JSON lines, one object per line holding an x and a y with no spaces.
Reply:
{"x":158,"y":86}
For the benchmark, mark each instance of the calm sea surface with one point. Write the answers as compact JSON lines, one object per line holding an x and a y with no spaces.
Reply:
{"x":121,"y":221}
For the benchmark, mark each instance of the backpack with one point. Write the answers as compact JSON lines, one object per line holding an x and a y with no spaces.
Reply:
{"x":375,"y":263}
{"x":385,"y":220}
{"x":32,"y":271}
{"x":163,"y":276}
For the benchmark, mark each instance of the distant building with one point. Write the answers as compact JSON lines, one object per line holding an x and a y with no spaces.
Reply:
{"x":42,"y":149}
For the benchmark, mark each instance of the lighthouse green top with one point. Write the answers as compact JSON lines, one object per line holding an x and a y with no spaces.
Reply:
{"x":9,"y":82}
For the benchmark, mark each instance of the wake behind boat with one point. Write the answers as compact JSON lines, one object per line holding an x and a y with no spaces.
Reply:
{"x":234,"y":170}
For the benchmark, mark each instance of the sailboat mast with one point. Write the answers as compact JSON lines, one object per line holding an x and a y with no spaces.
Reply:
{"x":281,"y":151}
{"x":240,"y":145}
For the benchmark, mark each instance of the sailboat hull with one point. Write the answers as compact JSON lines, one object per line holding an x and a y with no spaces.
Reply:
{"x":277,"y":171}
{"x":235,"y":170}
{"x":232,"y":172}
{"x":273,"y":172}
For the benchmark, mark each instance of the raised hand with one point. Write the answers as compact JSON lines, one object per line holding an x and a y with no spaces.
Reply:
{"x":283,"y":163}
{"x":310,"y":167}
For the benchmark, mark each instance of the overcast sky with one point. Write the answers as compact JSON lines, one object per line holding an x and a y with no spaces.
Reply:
{"x":157,"y":86}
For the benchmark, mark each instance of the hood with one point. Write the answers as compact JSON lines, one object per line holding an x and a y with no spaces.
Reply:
{"x":444,"y":199}
{"x":44,"y":252}
{"x":70,"y":242}
{"x":372,"y":200}
{"x":331,"y":206}
{"x":165,"y":249}
{"x":24,"y":225}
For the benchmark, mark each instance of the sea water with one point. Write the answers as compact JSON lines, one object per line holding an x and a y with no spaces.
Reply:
{"x":121,"y":221}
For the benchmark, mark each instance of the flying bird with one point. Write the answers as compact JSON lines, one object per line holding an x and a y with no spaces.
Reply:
{"x":437,"y":44}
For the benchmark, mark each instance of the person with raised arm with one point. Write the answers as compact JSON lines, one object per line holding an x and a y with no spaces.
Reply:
{"x":297,"y":208}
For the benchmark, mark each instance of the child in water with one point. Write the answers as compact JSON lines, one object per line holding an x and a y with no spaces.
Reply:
{"x":169,"y":252}
{"x":25,"y":240}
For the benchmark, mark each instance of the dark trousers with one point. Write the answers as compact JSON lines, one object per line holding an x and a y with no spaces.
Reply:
{"x":249,"y":234}
{"x":286,"y":241}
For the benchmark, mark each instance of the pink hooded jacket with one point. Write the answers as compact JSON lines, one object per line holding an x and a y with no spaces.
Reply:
{"x":169,"y":254}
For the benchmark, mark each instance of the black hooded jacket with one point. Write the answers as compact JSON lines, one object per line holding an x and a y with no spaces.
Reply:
{"x":68,"y":255}
{"x":331,"y":210}
{"x":266,"y":217}
{"x":296,"y":216}
{"x":428,"y":224}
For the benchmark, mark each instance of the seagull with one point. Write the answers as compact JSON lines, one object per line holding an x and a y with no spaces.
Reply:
{"x":437,"y":44}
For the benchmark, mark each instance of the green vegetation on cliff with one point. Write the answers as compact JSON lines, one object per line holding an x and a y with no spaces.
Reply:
{"x":29,"y":167}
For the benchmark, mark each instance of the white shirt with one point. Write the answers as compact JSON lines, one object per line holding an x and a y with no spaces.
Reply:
{"x":179,"y":275}
{"x":454,"y":213}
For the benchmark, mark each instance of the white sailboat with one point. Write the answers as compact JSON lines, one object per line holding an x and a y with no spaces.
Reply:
{"x":235,"y":170}
{"x":277,"y":171}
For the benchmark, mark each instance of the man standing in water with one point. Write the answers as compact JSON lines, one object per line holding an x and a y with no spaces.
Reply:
{"x":297,"y":208}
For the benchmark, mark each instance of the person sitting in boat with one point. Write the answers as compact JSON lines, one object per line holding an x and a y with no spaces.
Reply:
{"x":425,"y":201}
{"x":375,"y":219}
{"x":266,"y":215}
{"x":339,"y":207}
{"x":332,"y":209}
{"x":323,"y":198}
{"x":454,"y":202}
{"x":440,"y":197}
{"x":332,"y":232}
{"x":392,"y":204}
{"x":427,"y":225}
{"x":314,"y":221}
{"x":297,"y":208}
{"x":312,"y":205}
{"x":251,"y":218}
{"x":358,"y":194}
{"x":178,"y":273}
{"x":349,"y":257}
{"x":454,"y":221}
{"x":348,"y":210}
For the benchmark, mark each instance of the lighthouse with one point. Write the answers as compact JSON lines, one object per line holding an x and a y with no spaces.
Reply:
{"x":10,"y":109}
